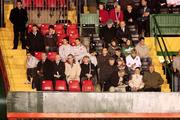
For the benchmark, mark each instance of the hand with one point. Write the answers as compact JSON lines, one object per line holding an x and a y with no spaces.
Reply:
{"x":146,"y":14}
{"x":130,"y":20}
{"x":88,"y":75}
{"x":57,"y":76}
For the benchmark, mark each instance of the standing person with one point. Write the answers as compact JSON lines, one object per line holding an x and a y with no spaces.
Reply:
{"x":35,"y":41}
{"x":152,"y":80}
{"x":130,"y":15}
{"x":176,"y":68}
{"x":18,"y":18}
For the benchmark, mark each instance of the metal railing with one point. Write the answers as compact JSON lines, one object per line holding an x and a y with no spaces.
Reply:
{"x":162,"y":45}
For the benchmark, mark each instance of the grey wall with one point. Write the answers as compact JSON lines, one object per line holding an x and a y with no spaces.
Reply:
{"x":58,"y":102}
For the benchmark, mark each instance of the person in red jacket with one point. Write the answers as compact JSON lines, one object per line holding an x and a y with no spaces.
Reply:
{"x":116,"y":14}
{"x":103,"y":14}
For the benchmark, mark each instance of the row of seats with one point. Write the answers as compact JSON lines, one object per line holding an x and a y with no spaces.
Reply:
{"x":44,"y":3}
{"x":71,"y":31}
{"x":51,"y":55}
{"x":74,"y":86}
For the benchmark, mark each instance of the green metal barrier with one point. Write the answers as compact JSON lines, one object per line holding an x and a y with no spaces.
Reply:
{"x":90,"y":19}
{"x":169,"y":24}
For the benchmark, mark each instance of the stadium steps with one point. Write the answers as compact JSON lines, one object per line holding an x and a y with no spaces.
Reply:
{"x":150,"y":41}
{"x":15,"y":60}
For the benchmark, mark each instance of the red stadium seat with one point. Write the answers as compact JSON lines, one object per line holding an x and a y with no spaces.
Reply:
{"x":72,"y":26}
{"x":47,"y":85}
{"x":72,"y":29}
{"x":87,"y":86}
{"x":29,"y":28}
{"x":60,"y":38}
{"x":27,"y":3}
{"x":51,"y":56}
{"x":59,"y":27}
{"x":38,"y":55}
{"x":51,"y":3}
{"x":38,"y":3}
{"x":44,"y":28}
{"x":74,"y":86}
{"x":61,"y":85}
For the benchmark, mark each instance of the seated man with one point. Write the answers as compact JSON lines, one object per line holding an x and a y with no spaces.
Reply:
{"x":118,"y":82}
{"x":88,"y":70}
{"x":31,"y":67}
{"x":106,"y":73}
{"x":59,"y":69}
{"x":72,"y":69}
{"x":44,"y":71}
{"x":65,"y":49}
{"x":119,"y":55}
{"x":143,"y":52}
{"x":35,"y":41}
{"x":133,"y":61}
{"x":152,"y":80}
{"x":50,"y":40}
{"x":79,"y":50}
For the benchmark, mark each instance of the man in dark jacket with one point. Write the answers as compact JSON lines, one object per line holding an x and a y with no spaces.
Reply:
{"x":88,"y":70}
{"x":122,"y":33}
{"x":50,"y":40}
{"x":18,"y":18}
{"x":106,"y":73}
{"x":44,"y":71}
{"x":108,"y":32}
{"x":35,"y":41}
{"x":152,"y":80}
{"x":59,"y":69}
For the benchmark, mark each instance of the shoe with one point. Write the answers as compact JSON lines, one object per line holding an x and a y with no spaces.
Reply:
{"x":14,"y":48}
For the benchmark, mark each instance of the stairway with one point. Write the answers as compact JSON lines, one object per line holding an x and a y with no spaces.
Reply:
{"x":150,"y":41}
{"x":15,"y":60}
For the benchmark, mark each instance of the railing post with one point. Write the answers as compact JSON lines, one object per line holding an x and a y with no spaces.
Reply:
{"x":2,"y":24}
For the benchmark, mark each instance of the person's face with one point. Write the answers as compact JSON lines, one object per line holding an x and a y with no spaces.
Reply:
{"x":133,"y":54}
{"x":101,"y":7}
{"x":151,"y":69}
{"x":137,"y":71}
{"x":128,"y":42}
{"x":51,"y":31}
{"x":111,"y":62}
{"x":77,"y":42}
{"x":118,"y":8}
{"x":28,"y":56}
{"x":19,"y":5}
{"x":44,"y":56}
{"x":58,"y":58}
{"x":34,"y":29}
{"x":143,"y":3}
{"x":85,"y":60}
{"x":109,"y":26}
{"x":105,"y":51}
{"x":113,"y":43}
{"x":65,"y":41}
{"x":142,"y":42}
{"x":129,"y":8}
{"x":122,"y":24}
{"x":118,"y":53}
{"x":70,"y":59}
{"x":120,"y":62}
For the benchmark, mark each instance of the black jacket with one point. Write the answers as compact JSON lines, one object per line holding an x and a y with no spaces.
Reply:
{"x":35,"y":42}
{"x":131,"y":15}
{"x":50,"y":40}
{"x":46,"y":69}
{"x":86,"y":69}
{"x":60,"y":68}
{"x":102,"y":60}
{"x":19,"y":18}
{"x":107,"y":34}
{"x":122,"y":34}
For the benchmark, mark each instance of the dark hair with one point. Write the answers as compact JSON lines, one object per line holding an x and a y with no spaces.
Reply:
{"x":51,"y":26}
{"x":34,"y":25}
{"x":118,"y":49}
{"x":78,"y":39}
{"x":19,"y":1}
{"x":141,"y":38}
{"x":138,"y":68}
{"x":72,"y":57}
